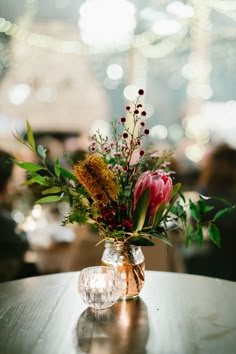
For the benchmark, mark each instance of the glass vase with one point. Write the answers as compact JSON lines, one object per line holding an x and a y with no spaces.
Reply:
{"x":129,"y":261}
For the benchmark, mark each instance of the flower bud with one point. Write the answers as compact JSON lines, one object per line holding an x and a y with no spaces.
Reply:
{"x":160,"y":185}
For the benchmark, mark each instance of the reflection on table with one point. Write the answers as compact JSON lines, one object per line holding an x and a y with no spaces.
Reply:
{"x":175,"y":313}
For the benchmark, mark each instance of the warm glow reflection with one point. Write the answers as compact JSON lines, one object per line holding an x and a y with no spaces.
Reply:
{"x":114,"y":71}
{"x":197,"y":130}
{"x":102,"y":126}
{"x":180,"y":9}
{"x":107,"y":23}
{"x":130,"y":92}
{"x":195,"y":152}
{"x":19,"y":93}
{"x":166,"y":27}
{"x":37,"y":211}
{"x":159,"y":132}
{"x":175,"y":132}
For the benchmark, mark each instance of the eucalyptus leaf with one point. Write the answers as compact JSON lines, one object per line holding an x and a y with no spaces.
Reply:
{"x":30,"y":136}
{"x":65,"y":173}
{"x":52,"y":190}
{"x":36,"y":179}
{"x":49,"y":199}
{"x":57,"y":168}
{"x":42,"y":152}
{"x":29,"y":166}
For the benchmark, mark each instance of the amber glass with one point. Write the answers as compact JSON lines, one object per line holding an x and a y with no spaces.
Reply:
{"x":129,"y":261}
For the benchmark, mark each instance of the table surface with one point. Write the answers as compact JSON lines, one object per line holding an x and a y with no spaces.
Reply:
{"x":175,"y":313}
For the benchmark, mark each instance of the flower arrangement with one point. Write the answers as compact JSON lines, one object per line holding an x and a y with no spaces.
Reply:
{"x":125,"y":190}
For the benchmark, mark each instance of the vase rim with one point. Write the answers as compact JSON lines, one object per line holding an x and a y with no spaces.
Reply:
{"x":114,"y":242}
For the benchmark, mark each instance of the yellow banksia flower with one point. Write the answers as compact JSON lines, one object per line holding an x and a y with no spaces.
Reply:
{"x":94,"y":176}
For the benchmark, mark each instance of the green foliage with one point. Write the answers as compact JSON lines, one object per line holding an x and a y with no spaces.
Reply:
{"x":50,"y":199}
{"x":42,"y":152}
{"x":214,"y":234}
{"x":158,"y":215}
{"x":29,"y":166}
{"x":141,"y":211}
{"x":61,"y":184}
{"x":30,"y":136}
{"x":141,"y":241}
{"x":223,"y":212}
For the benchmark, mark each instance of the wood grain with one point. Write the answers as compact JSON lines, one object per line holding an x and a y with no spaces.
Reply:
{"x":175,"y":313}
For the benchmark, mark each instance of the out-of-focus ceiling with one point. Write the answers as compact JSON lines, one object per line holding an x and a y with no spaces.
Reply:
{"x":63,"y":69}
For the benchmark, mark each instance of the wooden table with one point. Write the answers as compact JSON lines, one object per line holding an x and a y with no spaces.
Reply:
{"x":175,"y":313}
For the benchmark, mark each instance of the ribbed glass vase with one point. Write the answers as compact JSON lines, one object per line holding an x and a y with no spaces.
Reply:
{"x":129,"y":261}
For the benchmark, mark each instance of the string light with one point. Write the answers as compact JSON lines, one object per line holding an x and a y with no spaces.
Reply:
{"x":148,"y":43}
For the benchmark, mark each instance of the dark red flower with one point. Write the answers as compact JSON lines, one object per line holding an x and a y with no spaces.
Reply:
{"x":136,"y":111}
{"x":127,"y":224}
{"x":139,"y":105}
{"x":146,"y":131}
{"x":141,"y":92}
{"x":127,"y":108}
{"x":125,"y":135}
{"x":142,"y":124}
{"x":123,"y":119}
{"x":141,"y":152}
{"x":122,"y":206}
{"x":144,"y":113}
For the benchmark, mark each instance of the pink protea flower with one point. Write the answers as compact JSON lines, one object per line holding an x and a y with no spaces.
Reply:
{"x":160,"y":185}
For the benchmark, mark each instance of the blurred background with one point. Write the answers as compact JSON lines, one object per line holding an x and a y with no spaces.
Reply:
{"x":70,"y":66}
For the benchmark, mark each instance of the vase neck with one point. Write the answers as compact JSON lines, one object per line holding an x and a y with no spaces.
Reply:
{"x":119,"y":245}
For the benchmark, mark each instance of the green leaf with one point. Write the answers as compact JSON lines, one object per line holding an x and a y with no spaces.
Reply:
{"x":29,"y":166}
{"x":188,"y":234}
{"x":66,"y":173}
{"x":36,"y":179}
{"x":163,"y":238}
{"x":57,"y":168}
{"x":49,"y":199}
{"x":203,"y":207}
{"x":194,"y":210}
{"x":222,"y":212}
{"x":158,"y":215}
{"x":30,"y":136}
{"x":182,"y":197}
{"x":199,"y":234}
{"x":52,"y":190}
{"x":176,"y":189}
{"x":141,"y":241}
{"x":42,"y":152}
{"x":223,"y":201}
{"x":141,"y":210}
{"x":178,"y":209}
{"x":214,"y":234}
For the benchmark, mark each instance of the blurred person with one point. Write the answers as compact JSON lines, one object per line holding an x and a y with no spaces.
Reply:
{"x":13,"y":243}
{"x":218,"y":179}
